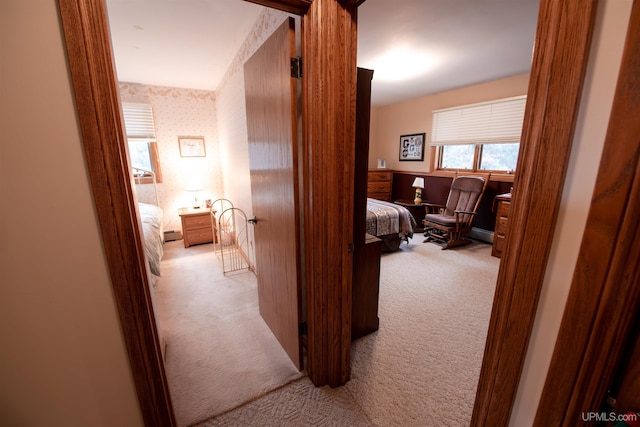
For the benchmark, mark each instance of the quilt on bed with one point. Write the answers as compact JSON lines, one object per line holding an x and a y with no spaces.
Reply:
{"x":151,"y":217}
{"x":385,"y":218}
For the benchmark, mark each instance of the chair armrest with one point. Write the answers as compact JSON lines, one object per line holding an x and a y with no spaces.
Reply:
{"x":433,"y":207}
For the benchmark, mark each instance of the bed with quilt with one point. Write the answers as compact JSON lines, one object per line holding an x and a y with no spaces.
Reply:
{"x":391,"y":223}
{"x":151,"y":218}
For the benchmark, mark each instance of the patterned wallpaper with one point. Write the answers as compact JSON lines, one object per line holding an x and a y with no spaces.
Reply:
{"x":180,"y":112}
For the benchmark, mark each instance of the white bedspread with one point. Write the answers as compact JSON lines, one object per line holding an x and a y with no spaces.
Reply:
{"x":151,"y":217}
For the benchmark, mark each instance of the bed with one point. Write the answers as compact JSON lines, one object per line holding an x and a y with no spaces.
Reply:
{"x":151,"y":217}
{"x":391,"y":223}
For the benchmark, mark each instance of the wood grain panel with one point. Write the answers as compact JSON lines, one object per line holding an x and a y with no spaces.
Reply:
{"x":562,"y":47}
{"x":270,"y":94}
{"x":361,"y":163}
{"x":604,"y":299}
{"x":329,"y":94}
{"x":91,"y":64}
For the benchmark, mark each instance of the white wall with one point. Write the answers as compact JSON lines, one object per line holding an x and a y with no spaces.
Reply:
{"x":595,"y":108}
{"x":63,"y":360}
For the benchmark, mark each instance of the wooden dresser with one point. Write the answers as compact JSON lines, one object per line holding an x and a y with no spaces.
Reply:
{"x":366,"y":248}
{"x":379,"y":184}
{"x":196,"y":226}
{"x":502,"y":206}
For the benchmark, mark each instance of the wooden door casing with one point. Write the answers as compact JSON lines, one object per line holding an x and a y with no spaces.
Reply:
{"x":329,"y":115}
{"x":270,"y":93}
{"x":604,"y":299}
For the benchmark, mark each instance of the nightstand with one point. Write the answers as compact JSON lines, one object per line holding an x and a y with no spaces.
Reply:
{"x":196,"y":226}
{"x":417,"y":211}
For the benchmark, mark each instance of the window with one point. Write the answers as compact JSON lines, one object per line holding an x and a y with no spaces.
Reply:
{"x":457,"y":156}
{"x":499,"y":157}
{"x":141,"y":138}
{"x":476,"y":137}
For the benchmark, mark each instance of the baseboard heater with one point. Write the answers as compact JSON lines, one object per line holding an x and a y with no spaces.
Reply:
{"x":170,"y":236}
{"x":481,"y":234}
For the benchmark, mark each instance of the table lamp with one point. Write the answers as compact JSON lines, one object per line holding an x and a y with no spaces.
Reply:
{"x":418,"y":184}
{"x":196,"y":188}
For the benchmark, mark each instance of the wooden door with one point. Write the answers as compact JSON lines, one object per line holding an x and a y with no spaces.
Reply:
{"x":273,"y":156}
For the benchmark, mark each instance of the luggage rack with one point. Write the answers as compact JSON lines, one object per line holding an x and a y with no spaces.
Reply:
{"x":232,"y":245}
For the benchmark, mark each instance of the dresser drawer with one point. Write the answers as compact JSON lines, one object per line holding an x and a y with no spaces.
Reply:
{"x":378,"y":187}
{"x":194,"y":222}
{"x":501,"y":226}
{"x":200,"y":236}
{"x":380,"y":176}
{"x":498,"y":245}
{"x":503,"y":209}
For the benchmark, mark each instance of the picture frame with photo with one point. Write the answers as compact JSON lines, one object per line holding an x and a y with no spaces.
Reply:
{"x":412,"y":147}
{"x":192,"y":146}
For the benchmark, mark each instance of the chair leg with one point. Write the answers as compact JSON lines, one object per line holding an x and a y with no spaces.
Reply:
{"x":455,"y":243}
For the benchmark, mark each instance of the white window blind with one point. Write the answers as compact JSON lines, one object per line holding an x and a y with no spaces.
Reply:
{"x":138,"y":120}
{"x":492,"y":122}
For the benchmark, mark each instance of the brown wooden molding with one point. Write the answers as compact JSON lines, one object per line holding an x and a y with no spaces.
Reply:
{"x":352,"y":3}
{"x":329,"y":93}
{"x":562,"y":48}
{"x":498,"y":177}
{"x":604,"y":298}
{"x":298,"y":7}
{"x":94,"y":84}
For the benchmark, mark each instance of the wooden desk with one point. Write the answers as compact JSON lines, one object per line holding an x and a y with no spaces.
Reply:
{"x":196,"y":226}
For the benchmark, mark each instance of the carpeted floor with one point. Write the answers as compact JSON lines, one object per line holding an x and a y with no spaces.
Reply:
{"x":422,"y":366}
{"x":219,"y":351}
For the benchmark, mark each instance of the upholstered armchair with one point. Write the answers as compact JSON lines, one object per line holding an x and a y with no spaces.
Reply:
{"x":452,"y":222}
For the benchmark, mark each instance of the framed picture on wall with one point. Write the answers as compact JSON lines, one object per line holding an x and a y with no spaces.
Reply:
{"x":192,"y":146}
{"x":412,"y":147}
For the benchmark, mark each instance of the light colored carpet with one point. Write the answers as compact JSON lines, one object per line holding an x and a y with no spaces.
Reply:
{"x":219,"y":351}
{"x":421,"y":368}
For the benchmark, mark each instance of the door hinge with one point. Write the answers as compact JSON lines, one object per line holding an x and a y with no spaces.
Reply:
{"x":350,"y":247}
{"x":302,"y":328}
{"x":296,"y":67}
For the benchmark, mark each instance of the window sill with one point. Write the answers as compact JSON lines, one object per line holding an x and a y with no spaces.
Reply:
{"x":495,"y":176}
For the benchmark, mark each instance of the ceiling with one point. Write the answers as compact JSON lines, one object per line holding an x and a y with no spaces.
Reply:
{"x":415,"y":47}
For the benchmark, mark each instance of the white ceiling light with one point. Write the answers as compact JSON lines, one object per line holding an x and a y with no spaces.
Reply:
{"x":403,"y":63}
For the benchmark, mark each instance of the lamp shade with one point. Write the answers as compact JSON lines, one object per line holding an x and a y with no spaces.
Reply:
{"x":418,"y":183}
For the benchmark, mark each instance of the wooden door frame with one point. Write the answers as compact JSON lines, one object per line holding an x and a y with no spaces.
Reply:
{"x":604,"y":298}
{"x":562,"y":44}
{"x":554,"y":94}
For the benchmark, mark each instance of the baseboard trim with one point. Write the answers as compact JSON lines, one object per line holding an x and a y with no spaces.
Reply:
{"x":481,"y":234}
